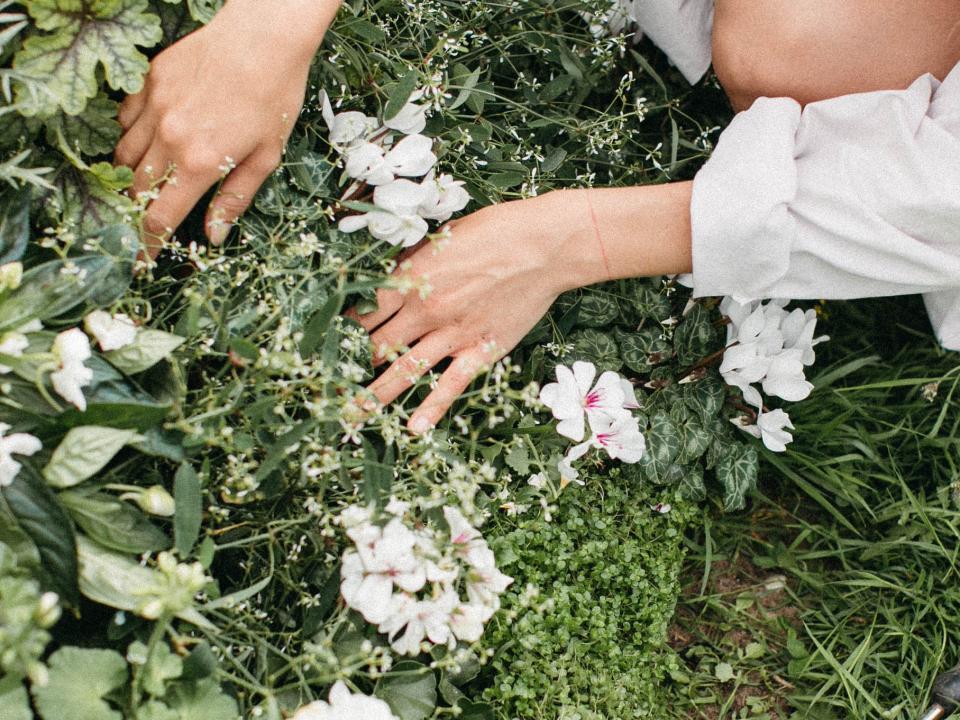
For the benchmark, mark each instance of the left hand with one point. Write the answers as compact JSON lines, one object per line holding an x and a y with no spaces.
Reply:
{"x":489,"y":283}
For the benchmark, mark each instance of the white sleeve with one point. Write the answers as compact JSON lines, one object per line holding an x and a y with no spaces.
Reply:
{"x":856,"y":196}
{"x":681,"y":28}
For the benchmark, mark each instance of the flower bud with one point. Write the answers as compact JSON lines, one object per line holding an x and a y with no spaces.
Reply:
{"x":157,"y":501}
{"x":48,"y":609}
{"x":38,"y":674}
{"x":10,"y":276}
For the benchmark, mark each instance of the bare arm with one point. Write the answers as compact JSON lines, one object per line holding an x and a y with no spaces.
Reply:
{"x":221,"y":100}
{"x":503,"y":267}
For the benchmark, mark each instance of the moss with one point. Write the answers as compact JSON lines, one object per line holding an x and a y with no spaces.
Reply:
{"x":582,"y":635}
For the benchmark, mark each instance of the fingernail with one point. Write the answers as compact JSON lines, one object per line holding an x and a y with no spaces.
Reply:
{"x":419,"y":425}
{"x":219,"y":230}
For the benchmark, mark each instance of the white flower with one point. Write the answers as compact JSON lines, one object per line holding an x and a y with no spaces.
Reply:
{"x":770,"y":428}
{"x":466,"y":621}
{"x":112,"y":333}
{"x":537,"y":481}
{"x":798,"y":328}
{"x":444,"y":197}
{"x":72,"y":348}
{"x":384,"y":557}
{"x":572,"y":400}
{"x":621,"y":438}
{"x":784,"y":377}
{"x":397,"y":222}
{"x":11,"y":275}
{"x":411,"y":157}
{"x":12,"y":344}
{"x":346,"y":128}
{"x":428,"y":619}
{"x":15,"y":444}
{"x":344,"y":705}
{"x":411,"y":119}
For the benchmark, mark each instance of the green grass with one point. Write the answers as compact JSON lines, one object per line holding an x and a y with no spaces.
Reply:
{"x":861,"y":519}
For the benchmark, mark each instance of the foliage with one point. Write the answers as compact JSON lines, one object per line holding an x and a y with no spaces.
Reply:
{"x":584,"y":636}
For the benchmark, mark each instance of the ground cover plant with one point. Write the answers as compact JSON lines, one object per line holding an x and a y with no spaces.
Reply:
{"x":198,"y":520}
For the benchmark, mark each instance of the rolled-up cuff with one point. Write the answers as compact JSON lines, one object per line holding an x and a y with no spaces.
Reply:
{"x":741,"y":222}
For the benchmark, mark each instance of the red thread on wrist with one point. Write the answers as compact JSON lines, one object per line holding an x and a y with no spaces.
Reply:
{"x":596,"y":232}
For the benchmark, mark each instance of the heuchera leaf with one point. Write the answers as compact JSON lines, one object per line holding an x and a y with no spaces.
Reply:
{"x":95,"y":131}
{"x":83,"y":35}
{"x":79,"y":679}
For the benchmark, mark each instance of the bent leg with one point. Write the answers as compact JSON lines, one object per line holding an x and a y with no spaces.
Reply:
{"x":817,"y":49}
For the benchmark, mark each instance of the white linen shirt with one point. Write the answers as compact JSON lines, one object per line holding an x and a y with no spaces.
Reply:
{"x":855,"y":196}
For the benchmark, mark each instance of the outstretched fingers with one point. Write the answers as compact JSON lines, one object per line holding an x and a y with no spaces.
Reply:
{"x":236,"y":193}
{"x":451,"y":385}
{"x":408,"y":369}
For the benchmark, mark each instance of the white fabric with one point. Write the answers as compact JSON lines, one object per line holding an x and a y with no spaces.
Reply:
{"x":681,"y":28}
{"x":856,"y":196}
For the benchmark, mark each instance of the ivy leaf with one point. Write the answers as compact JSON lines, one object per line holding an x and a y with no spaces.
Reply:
{"x":696,"y":336}
{"x":83,"y":453}
{"x":42,"y":517}
{"x":692,"y":486}
{"x":95,"y":131}
{"x":147,"y":349}
{"x":643,"y":349}
{"x":203,"y":700}
{"x":84,"y":35}
{"x":411,"y":695}
{"x":737,"y":472}
{"x":647,"y":303}
{"x":79,"y":680}
{"x":663,"y":446}
{"x":597,"y":309}
{"x":597,"y":347}
{"x":706,"y":397}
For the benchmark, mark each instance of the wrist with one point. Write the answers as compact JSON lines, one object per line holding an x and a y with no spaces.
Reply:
{"x":569,"y":233}
{"x":295,"y":26}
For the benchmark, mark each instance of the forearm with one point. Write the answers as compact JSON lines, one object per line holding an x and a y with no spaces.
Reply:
{"x":612,"y":233}
{"x":301,"y":23}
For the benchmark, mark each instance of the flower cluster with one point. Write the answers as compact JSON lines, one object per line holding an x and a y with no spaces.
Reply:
{"x":768,"y":345}
{"x":344,"y":705}
{"x":374,"y":158}
{"x":404,"y":579}
{"x":606,"y":407}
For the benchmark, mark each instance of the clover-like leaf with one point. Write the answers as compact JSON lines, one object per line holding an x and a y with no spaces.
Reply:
{"x":79,"y":680}
{"x":84,"y":34}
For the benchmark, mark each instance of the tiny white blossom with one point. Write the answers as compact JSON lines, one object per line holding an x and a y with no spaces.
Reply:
{"x":72,"y":348}
{"x":344,"y":705}
{"x":112,"y":333}
{"x":14,"y":444}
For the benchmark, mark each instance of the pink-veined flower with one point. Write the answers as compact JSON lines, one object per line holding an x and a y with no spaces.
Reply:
{"x":575,"y":403}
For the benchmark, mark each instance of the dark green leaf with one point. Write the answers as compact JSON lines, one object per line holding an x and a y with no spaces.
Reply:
{"x":189,"y":514}
{"x":737,"y":473}
{"x":695,"y":336}
{"x":663,"y":446}
{"x":200,"y":663}
{"x":14,"y":224}
{"x":401,"y":94}
{"x":377,"y":475}
{"x":42,"y":517}
{"x":319,"y":323}
{"x":410,"y":689}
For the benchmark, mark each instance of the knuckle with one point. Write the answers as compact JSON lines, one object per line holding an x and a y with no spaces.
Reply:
{"x":266,"y":163}
{"x":174,"y":130}
{"x":197,"y":160}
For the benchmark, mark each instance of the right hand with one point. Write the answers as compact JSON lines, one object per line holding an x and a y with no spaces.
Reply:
{"x":225,"y":96}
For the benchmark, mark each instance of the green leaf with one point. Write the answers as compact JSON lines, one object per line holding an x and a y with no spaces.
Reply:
{"x":204,"y":10}
{"x":310,"y":172}
{"x":95,"y":131}
{"x":518,"y":458}
{"x":113,"y":523}
{"x":159,"y":668}
{"x":695,"y":336}
{"x":647,"y":303}
{"x":706,"y":397}
{"x":595,"y":346}
{"x":467,"y":80}
{"x":117,"y":581}
{"x":41,"y":516}
{"x":410,"y":689}
{"x":53,"y":288}
{"x":79,"y":680}
{"x":189,"y":501}
{"x":84,"y":35}
{"x":319,"y":323}
{"x":89,"y":203}
{"x":377,"y":475}
{"x":83,"y":453}
{"x":148,"y":348}
{"x":597,"y":309}
{"x":643,"y":349}
{"x":200,"y":663}
{"x":737,"y":472}
{"x":663,"y":446}
{"x":724,"y":672}
{"x":155,"y":710}
{"x":507,"y":180}
{"x":14,"y":224}
{"x":203,"y":700}
{"x":15,"y":704}
{"x":692,"y":486}
{"x":401,"y":94}
{"x":476,"y":711}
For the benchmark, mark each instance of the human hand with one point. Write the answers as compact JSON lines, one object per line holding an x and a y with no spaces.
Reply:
{"x":489,"y":283}
{"x":219,"y":103}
